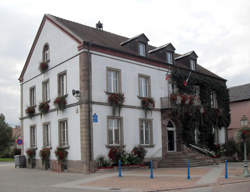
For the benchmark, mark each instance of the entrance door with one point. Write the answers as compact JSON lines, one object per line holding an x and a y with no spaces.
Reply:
{"x":171,"y":137}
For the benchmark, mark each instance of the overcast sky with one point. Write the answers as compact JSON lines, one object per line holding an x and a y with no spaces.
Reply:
{"x":218,"y":31}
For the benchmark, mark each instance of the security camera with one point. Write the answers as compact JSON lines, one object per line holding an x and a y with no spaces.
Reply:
{"x":76,"y":93}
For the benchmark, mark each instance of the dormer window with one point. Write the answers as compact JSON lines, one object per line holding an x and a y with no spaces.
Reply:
{"x":169,"y":58}
{"x":46,"y":53}
{"x":192,"y":64}
{"x":142,"y":49}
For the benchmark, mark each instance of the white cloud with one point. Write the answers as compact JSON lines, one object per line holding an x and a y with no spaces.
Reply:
{"x":217,"y":30}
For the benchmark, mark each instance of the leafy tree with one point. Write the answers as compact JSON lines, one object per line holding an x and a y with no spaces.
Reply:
{"x":5,"y":136}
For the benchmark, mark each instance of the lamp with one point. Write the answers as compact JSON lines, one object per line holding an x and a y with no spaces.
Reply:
{"x":244,"y":121}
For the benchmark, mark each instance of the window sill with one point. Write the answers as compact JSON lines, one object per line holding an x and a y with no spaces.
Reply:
{"x":64,"y":147}
{"x":140,"y":97}
{"x":109,"y":93}
{"x":34,"y":147}
{"x":147,"y":146}
{"x":110,"y":146}
{"x":49,"y":147}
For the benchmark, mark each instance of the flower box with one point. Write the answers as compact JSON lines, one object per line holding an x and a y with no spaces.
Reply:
{"x":30,"y":111}
{"x":60,"y":102}
{"x":116,"y":100}
{"x":45,"y":156}
{"x":44,"y":107}
{"x":31,"y":153}
{"x":43,"y":66}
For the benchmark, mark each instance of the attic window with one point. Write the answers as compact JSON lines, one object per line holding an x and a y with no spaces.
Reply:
{"x":46,"y":53}
{"x":192,"y":64}
{"x":141,"y":49}
{"x":169,"y":58}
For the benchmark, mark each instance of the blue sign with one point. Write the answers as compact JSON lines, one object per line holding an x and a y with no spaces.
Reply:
{"x":95,"y":118}
{"x":19,"y":141}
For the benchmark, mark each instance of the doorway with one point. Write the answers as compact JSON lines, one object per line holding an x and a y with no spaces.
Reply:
{"x":171,"y":137}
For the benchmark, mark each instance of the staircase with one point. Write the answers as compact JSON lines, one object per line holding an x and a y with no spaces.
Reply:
{"x":180,"y":159}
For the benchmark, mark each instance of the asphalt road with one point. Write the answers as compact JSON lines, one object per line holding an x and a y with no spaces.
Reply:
{"x":33,"y":180}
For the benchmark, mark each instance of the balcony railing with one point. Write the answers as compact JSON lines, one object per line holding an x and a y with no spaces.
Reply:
{"x":166,"y":103}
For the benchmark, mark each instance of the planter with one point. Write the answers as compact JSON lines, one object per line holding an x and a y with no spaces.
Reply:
{"x":116,"y":100}
{"x":30,"y":111}
{"x":43,"y":67}
{"x":44,"y":107}
{"x":60,"y":102}
{"x":147,"y":104}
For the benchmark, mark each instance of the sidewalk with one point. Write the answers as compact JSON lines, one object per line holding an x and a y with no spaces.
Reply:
{"x":164,"y":179}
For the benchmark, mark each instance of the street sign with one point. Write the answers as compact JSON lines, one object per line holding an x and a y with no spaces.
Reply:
{"x":95,"y":118}
{"x":19,"y":141}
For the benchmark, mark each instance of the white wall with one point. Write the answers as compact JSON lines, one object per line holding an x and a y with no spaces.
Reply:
{"x":129,"y":79}
{"x":62,"y":48}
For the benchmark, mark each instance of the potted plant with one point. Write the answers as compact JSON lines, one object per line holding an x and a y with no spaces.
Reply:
{"x":147,"y":104}
{"x":61,"y":155}
{"x":31,"y":153}
{"x":60,"y":102}
{"x":139,"y":152}
{"x":116,"y":100}
{"x":44,"y":107}
{"x":115,"y":154}
{"x":45,"y":156}
{"x":30,"y":111}
{"x":43,"y":67}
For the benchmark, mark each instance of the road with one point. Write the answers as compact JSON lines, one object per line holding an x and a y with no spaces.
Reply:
{"x":33,"y":180}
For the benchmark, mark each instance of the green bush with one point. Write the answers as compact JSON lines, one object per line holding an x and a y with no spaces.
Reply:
{"x":101,"y":161}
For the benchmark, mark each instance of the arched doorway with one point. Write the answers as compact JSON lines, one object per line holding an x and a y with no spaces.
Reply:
{"x":171,"y":137}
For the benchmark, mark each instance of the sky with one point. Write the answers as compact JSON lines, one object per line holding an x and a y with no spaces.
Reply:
{"x":217,"y":30}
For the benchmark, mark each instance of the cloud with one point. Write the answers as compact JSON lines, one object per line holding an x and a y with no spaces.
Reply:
{"x":217,"y":30}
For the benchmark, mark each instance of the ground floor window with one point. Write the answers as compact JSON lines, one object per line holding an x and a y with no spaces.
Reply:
{"x":146,"y":132}
{"x":46,"y":135}
{"x":114,"y":131}
{"x":63,"y":133}
{"x":33,"y":136}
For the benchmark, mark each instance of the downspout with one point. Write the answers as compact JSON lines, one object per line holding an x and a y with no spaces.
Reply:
{"x":90,"y":107}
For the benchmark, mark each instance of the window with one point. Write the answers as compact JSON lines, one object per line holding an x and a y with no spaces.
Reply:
{"x":46,"y":53}
{"x":113,"y":80}
{"x":141,"y":49}
{"x":45,"y":90}
{"x":144,"y":86}
{"x":62,"y":84}
{"x":169,"y":58}
{"x":192,"y":64}
{"x":196,"y":90}
{"x":46,"y":135}
{"x":33,"y":136}
{"x":32,"y":96}
{"x":146,"y":131}
{"x":213,"y":98}
{"x":63,"y":133}
{"x":114,"y":131}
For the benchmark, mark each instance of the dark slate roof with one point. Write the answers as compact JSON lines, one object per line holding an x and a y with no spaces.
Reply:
{"x":113,"y":41}
{"x":239,"y":93}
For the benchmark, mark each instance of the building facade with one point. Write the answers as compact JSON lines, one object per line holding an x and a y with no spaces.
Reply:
{"x":85,"y":66}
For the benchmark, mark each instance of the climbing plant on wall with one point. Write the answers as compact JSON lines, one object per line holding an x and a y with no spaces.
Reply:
{"x":204,"y":117}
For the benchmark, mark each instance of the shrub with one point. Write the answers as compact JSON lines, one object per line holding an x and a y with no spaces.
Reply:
{"x":115,"y":154}
{"x":230,"y":148}
{"x":31,"y":153}
{"x":61,"y":154}
{"x":101,"y":161}
{"x":139,"y":152}
{"x":45,"y":154}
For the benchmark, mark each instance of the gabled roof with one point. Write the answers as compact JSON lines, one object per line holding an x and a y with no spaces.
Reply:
{"x":82,"y":33}
{"x":133,"y":38}
{"x":191,"y":53}
{"x":168,"y":45}
{"x":239,"y":93}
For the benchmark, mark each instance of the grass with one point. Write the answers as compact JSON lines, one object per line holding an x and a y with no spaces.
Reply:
{"x":6,"y":159}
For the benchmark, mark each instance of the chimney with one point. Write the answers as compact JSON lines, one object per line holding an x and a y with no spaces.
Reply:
{"x":99,"y":26}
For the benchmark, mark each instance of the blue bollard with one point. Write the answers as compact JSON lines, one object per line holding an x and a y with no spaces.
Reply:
{"x":188,"y":170}
{"x":119,"y":169}
{"x":226,"y":174}
{"x":151,"y":170}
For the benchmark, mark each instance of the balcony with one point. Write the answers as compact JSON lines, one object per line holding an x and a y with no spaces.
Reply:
{"x":166,"y":103}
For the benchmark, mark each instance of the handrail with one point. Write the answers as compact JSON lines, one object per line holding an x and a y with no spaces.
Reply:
{"x":204,"y":150}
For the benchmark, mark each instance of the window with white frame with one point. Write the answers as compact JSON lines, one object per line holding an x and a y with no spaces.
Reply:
{"x":62,"y":84}
{"x":141,"y":49}
{"x":45,"y":90}
{"x":33,"y":136}
{"x":113,"y":80}
{"x":32,"y":96}
{"x":46,"y":135}
{"x":192,"y":64}
{"x":46,"y":53}
{"x":213,"y":99}
{"x":114,"y":131}
{"x":63,"y":133}
{"x":144,"y":86}
{"x":146,"y":131}
{"x":170,"y":58}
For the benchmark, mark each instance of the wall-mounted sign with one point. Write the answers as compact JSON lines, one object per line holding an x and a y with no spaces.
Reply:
{"x":19,"y":141}
{"x":95,"y":118}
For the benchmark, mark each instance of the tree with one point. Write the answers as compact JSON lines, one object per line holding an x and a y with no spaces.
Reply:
{"x":5,"y":136}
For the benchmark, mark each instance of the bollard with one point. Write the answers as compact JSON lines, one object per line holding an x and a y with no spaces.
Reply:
{"x":226,"y":174}
{"x":151,"y":170}
{"x":188,"y":170}
{"x":119,"y":169}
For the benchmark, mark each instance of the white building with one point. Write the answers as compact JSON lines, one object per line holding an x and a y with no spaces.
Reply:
{"x":97,"y":63}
